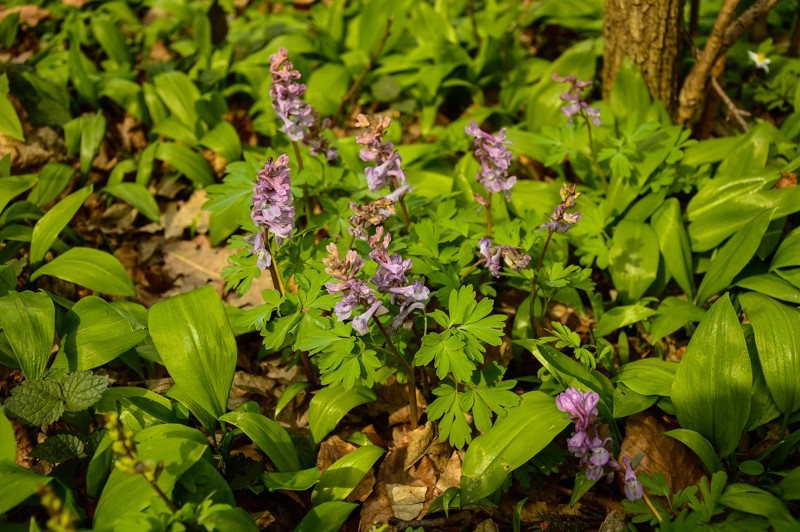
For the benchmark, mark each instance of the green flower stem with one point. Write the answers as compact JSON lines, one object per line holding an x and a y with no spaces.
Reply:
{"x":489,"y":216}
{"x":307,"y":199}
{"x":412,"y":385}
{"x":277,"y":282}
{"x":600,"y":170}
{"x":535,"y":287}
{"x":471,"y":269}
{"x":404,"y":210}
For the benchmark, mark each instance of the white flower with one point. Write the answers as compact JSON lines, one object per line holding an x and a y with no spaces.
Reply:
{"x":760,"y":59}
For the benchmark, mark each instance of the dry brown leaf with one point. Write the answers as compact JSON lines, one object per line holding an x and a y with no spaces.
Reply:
{"x":662,"y":454}
{"x":376,"y":510}
{"x":418,"y":442}
{"x":182,"y":215}
{"x":29,"y":15}
{"x":74,"y":3}
{"x":451,"y":476}
{"x":406,"y":501}
{"x":487,"y":526}
{"x":194,"y":263}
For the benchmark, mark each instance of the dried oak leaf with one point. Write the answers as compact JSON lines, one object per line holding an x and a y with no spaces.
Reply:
{"x":662,"y":454}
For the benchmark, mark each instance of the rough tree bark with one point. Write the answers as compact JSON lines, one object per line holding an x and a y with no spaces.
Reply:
{"x":649,"y":32}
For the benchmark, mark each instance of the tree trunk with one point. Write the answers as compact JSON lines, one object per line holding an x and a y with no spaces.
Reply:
{"x":649,"y":32}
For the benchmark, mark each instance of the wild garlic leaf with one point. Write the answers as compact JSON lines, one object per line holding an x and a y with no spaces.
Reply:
{"x":59,"y":448}
{"x":453,"y":423}
{"x":36,"y":403}
{"x":82,"y":390}
{"x":447,"y":352}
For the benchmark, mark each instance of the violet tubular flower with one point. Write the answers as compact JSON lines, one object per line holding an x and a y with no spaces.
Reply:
{"x":633,"y":488}
{"x":272,"y":211}
{"x":371,"y":214}
{"x":514,"y":257}
{"x":355,"y":292}
{"x":494,"y":158}
{"x":388,"y":170}
{"x":301,"y":122}
{"x":561,"y":221}
{"x":575,"y":104}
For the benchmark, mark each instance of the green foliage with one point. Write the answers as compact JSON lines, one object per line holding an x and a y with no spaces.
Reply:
{"x":43,"y":401}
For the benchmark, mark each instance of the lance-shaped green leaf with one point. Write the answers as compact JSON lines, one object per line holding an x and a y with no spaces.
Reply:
{"x":711,"y":391}
{"x":50,"y":225}
{"x":9,"y":121}
{"x":633,"y":259}
{"x":512,"y":441}
{"x":95,"y":333}
{"x":345,"y":474}
{"x":92,"y":268}
{"x":268,"y":436}
{"x":17,"y":485}
{"x":327,"y":517}
{"x":777,"y":334}
{"x":28,"y":320}
{"x":192,"y":335}
{"x":331,"y":404}
{"x":8,"y":445}
{"x":701,"y":447}
{"x":674,"y":243}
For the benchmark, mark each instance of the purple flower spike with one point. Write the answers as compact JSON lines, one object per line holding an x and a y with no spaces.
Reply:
{"x":514,"y":257}
{"x":633,"y":488}
{"x":575,"y":104}
{"x":494,"y":159}
{"x":561,"y":221}
{"x":582,"y":408}
{"x":272,"y":208}
{"x":301,"y":122}
{"x":371,"y":214}
{"x":388,"y":170}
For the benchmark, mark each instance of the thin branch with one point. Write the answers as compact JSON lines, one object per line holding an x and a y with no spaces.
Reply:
{"x":732,"y":109}
{"x":361,"y":77}
{"x":746,"y":21}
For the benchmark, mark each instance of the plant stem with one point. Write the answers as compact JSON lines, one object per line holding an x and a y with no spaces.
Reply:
{"x":306,"y":197}
{"x":600,"y":170}
{"x":309,"y":369}
{"x":535,"y":286}
{"x":412,"y":385}
{"x":652,"y":508}
{"x":489,"y":216}
{"x":351,"y":92}
{"x":404,"y":210}
{"x":277,"y":282}
{"x":471,"y":269}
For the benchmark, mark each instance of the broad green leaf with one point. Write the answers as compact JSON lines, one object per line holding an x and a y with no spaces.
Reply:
{"x":186,"y":162}
{"x":622,"y":316}
{"x":8,"y":445}
{"x":11,"y":187}
{"x":649,"y":376}
{"x":95,"y":333}
{"x":17,"y":484}
{"x":733,"y":257}
{"x":753,"y":500}
{"x":289,"y":393}
{"x":292,"y":481}
{"x":137,"y":196}
{"x":327,"y":517}
{"x":192,"y":335}
{"x":344,"y":475}
{"x":772,"y":285}
{"x":9,"y":121}
{"x":224,"y":140}
{"x":790,"y":485}
{"x":788,"y":253}
{"x":633,"y":259}
{"x":53,"y":179}
{"x":82,"y":390}
{"x":331,"y":404}
{"x":77,"y":71}
{"x":510,"y":443}
{"x":777,"y":335}
{"x":110,"y":37}
{"x":91,"y":268}
{"x":674,"y":244}
{"x":627,"y":402}
{"x":179,"y":94}
{"x":699,"y":445}
{"x":126,"y":494}
{"x":50,"y":225}
{"x":36,"y":402}
{"x":674,"y":313}
{"x":268,"y":436}
{"x":711,"y":391}
{"x":28,"y":320}
{"x":59,"y":448}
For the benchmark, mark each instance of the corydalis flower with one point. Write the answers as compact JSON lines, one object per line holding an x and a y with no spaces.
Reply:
{"x":585,"y":442}
{"x":494,"y":159}
{"x":633,"y":488}
{"x":561,"y":220}
{"x":301,"y":122}
{"x":388,"y":170}
{"x":515,"y":258}
{"x":575,"y":104}
{"x":371,"y":214}
{"x":355,"y":292}
{"x":272,"y":208}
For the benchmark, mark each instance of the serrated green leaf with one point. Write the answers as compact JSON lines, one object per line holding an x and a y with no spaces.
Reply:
{"x":28,"y":321}
{"x":36,"y":403}
{"x":193,"y":337}
{"x":268,"y":436}
{"x":50,"y":225}
{"x":331,"y":404}
{"x":59,"y":448}
{"x":91,"y":268}
{"x":95,"y":333}
{"x":448,"y":354}
{"x":82,"y":389}
{"x":344,"y":475}
{"x":712,"y":386}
